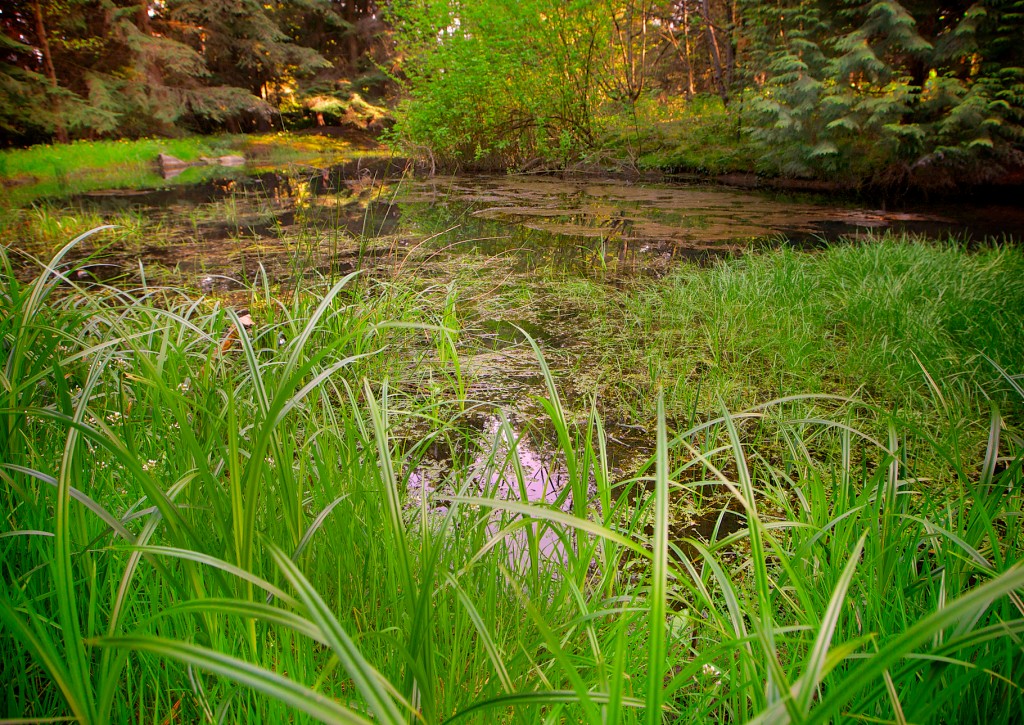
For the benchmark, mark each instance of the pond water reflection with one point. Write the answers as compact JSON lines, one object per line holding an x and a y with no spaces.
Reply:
{"x":369,"y":211}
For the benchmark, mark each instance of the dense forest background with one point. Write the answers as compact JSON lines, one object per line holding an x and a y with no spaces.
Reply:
{"x":925,"y":93}
{"x":114,"y":68}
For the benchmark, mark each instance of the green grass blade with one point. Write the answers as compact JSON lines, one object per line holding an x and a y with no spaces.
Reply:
{"x":269,"y":683}
{"x":492,"y":649}
{"x":315,"y":526}
{"x":659,"y":574}
{"x":815,"y":664}
{"x":553,"y":515}
{"x":248,"y":610}
{"x":539,"y":699}
{"x":79,"y":496}
{"x":365,"y":677}
{"x":917,"y":635}
{"x":49,"y":656}
{"x":212,"y":561}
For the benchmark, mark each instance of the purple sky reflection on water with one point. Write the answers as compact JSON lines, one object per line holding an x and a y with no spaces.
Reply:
{"x":543,"y":480}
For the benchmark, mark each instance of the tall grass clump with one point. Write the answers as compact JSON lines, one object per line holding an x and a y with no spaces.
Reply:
{"x":210,"y":524}
{"x":917,"y":326}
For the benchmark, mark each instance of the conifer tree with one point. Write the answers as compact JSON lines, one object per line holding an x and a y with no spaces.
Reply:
{"x":124,"y":67}
{"x":30,"y":105}
{"x":241,"y":43}
{"x":904,"y":92}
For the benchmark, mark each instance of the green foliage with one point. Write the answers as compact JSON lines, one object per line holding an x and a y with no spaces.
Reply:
{"x":496,"y":84}
{"x":206,"y":525}
{"x":123,"y":69}
{"x":861,"y":92}
{"x":29,"y":103}
{"x":884,"y":93}
{"x":243,"y":45}
{"x":699,"y":135}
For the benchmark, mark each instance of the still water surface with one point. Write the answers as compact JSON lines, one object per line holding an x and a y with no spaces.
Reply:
{"x":368,"y":211}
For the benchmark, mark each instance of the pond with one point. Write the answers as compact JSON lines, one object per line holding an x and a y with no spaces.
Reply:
{"x":222,"y":234}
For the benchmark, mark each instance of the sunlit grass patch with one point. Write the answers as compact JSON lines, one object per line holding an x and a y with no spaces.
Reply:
{"x":699,"y":135}
{"x":58,"y":171}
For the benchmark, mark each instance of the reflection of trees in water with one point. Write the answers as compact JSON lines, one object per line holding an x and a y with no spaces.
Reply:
{"x":604,"y":238}
{"x":345,"y":216}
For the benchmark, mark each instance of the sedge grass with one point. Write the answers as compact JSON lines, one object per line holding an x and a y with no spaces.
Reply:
{"x":906,"y":324}
{"x":216,"y":535}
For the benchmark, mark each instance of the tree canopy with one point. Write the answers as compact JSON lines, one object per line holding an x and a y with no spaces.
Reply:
{"x":889,"y":90}
{"x":116,"y":67}
{"x":897,"y":92}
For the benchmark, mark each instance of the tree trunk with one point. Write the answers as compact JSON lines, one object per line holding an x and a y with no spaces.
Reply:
{"x":51,"y":72}
{"x":142,"y":19}
{"x":154,"y":76}
{"x":731,"y":45}
{"x":690,"y":89}
{"x":716,"y":55}
{"x":351,"y":17}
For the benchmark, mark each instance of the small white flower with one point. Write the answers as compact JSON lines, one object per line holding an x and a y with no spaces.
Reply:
{"x":185,"y":386}
{"x":149,"y":464}
{"x":114,"y":417}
